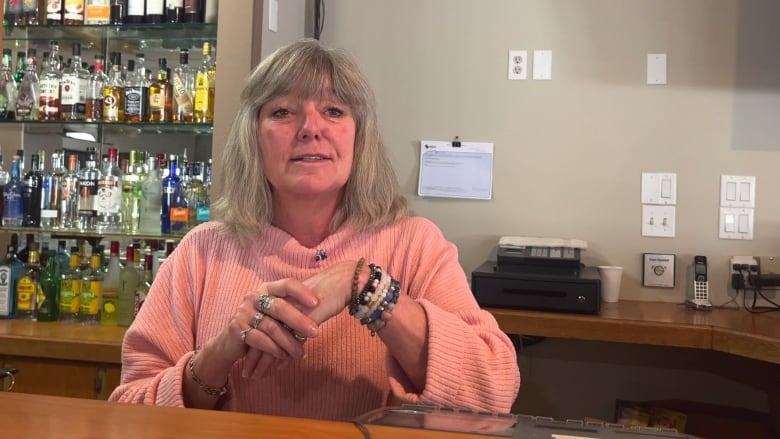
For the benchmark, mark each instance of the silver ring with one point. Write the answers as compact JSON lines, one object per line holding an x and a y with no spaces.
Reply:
{"x":299,"y":337}
{"x":264,"y":302}
{"x":256,"y":320}
{"x":244,"y":333}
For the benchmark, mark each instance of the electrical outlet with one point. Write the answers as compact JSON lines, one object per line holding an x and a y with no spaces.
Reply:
{"x":517,"y":65}
{"x":743,"y":269}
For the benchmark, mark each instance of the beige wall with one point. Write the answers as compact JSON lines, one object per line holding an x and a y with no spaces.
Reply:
{"x":569,"y":152}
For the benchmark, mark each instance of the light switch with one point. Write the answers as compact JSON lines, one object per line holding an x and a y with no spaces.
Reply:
{"x":656,"y":69}
{"x":737,"y":191}
{"x":658,"y":221}
{"x":736,"y":223}
{"x":542,"y":65}
{"x":659,"y":188}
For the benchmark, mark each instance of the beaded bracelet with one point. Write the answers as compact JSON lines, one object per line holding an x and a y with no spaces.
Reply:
{"x":380,"y":294}
{"x":211,"y":391}
{"x":356,"y":280}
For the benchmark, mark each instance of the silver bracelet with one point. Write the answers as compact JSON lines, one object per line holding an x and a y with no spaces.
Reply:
{"x":211,"y":391}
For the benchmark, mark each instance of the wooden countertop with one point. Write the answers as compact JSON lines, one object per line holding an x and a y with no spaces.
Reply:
{"x":733,"y":331}
{"x":36,"y":416}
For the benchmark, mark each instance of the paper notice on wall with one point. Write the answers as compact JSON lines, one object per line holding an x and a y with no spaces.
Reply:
{"x":456,"y":169}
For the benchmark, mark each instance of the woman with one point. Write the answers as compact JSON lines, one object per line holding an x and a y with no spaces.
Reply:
{"x":256,"y":312}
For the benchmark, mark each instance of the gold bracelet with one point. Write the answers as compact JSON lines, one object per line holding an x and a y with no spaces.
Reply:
{"x":211,"y":391}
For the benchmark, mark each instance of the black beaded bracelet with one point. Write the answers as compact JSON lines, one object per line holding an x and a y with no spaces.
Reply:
{"x":211,"y":391}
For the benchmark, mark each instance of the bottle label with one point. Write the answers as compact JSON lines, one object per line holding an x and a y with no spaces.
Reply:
{"x":26,"y":290}
{"x":111,"y":106}
{"x":154,"y":7}
{"x":70,"y":90}
{"x":183,"y":98}
{"x":97,"y":12}
{"x":53,"y":9}
{"x":135,"y":8}
{"x":203,"y":214}
{"x":133,"y":103}
{"x":30,"y":6}
{"x":74,"y":10}
{"x":201,"y":92}
{"x":179,"y":214}
{"x":5,"y":291}
{"x":90,"y":297}
{"x":109,"y":196}
{"x":69,"y":296}
{"x":156,"y":101}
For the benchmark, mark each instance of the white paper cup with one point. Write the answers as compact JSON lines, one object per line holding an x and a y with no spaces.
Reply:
{"x":610,"y":282}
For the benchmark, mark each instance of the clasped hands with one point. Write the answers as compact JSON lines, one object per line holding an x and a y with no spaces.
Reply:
{"x":271,"y":324}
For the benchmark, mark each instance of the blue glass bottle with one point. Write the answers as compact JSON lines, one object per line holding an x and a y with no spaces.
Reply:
{"x":174,"y":216}
{"x":13,"y":210}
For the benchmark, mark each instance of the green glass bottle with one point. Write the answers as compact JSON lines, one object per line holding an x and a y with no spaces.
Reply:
{"x":49,"y":310}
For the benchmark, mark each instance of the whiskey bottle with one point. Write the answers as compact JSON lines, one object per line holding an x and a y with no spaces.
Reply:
{"x":31,"y":197}
{"x":94,"y":97}
{"x":53,"y":12}
{"x":49,"y":86}
{"x":87,"y":204}
{"x":109,"y":196}
{"x":97,"y":12}
{"x":69,"y":195}
{"x":183,"y":82}
{"x":73,"y":87}
{"x":136,"y":95}
{"x":73,"y":13}
{"x":114,"y":96}
{"x":204,"y":87}
{"x":161,"y":95}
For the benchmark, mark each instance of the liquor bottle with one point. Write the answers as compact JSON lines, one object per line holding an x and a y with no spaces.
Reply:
{"x":7,"y":88}
{"x":129,"y":280}
{"x":91,"y":288}
{"x":13,"y":206}
{"x":10,"y":270}
{"x":117,"y":12}
{"x":97,"y":12}
{"x":28,"y":288}
{"x":136,"y":95}
{"x":155,"y":11}
{"x":31,"y":13}
{"x":135,"y":12}
{"x":142,"y":291}
{"x":62,"y":257}
{"x":27,"y":95}
{"x":210,"y":11}
{"x":204,"y":87}
{"x":174,"y":10}
{"x":114,"y":96}
{"x":49,"y":309}
{"x":21,"y":66}
{"x":88,"y":186}
{"x":49,"y":86}
{"x":31,"y":197}
{"x":13,"y":13}
{"x":131,"y":196}
{"x":183,"y":82}
{"x":174,"y":202}
{"x":112,"y":285}
{"x":30,"y":244}
{"x":151,"y":199}
{"x":161,"y":95}
{"x":109,"y":196}
{"x":54,"y":12}
{"x":5,"y":177}
{"x":94,"y":97}
{"x":74,"y":86}
{"x":73,"y":13}
{"x":52,"y":192}
{"x":195,"y":193}
{"x":192,"y":12}
{"x":69,"y":195}
{"x":70,"y":290}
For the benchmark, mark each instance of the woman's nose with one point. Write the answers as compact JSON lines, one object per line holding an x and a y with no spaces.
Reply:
{"x":310,"y":126}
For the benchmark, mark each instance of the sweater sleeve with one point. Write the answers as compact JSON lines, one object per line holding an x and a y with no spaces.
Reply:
{"x":471,"y":362}
{"x":158,"y":345}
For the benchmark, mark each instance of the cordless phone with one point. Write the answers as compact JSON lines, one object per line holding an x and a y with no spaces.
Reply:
{"x":698,"y":286}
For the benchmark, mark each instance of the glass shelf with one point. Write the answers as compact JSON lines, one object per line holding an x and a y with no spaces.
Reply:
{"x":76,"y":234}
{"x":59,"y":127}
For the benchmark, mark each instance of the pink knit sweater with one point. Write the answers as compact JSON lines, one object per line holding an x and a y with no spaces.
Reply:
{"x":346,"y":372}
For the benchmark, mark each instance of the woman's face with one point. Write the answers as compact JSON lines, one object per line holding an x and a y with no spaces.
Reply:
{"x":307,"y":145}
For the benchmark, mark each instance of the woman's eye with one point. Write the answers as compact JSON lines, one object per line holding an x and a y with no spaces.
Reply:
{"x":334,"y":112}
{"x":282,"y":112}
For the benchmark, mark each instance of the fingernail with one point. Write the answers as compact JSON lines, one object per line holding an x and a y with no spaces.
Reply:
{"x":244,"y":373}
{"x":313,"y":331}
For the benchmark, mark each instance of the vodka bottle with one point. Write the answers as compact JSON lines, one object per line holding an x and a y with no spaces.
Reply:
{"x":131,"y":196}
{"x":49,"y":308}
{"x":112,"y":285}
{"x":10,"y":270}
{"x":49,"y":86}
{"x":183,"y":82}
{"x":94,"y":97}
{"x":151,"y":199}
{"x":109,"y":195}
{"x":70,"y":290}
{"x":27,"y":96}
{"x":69,"y":195}
{"x":7,"y":88}
{"x":52,"y":193}
{"x":28,"y":287}
{"x":13,"y":193}
{"x":91,"y":288}
{"x":88,"y":187}
{"x":174,"y":202}
{"x":31,"y":197}
{"x":204,"y":87}
{"x":73,"y":87}
{"x":129,"y":280}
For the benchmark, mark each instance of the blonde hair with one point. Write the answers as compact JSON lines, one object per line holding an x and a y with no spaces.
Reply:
{"x":372,"y":197}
